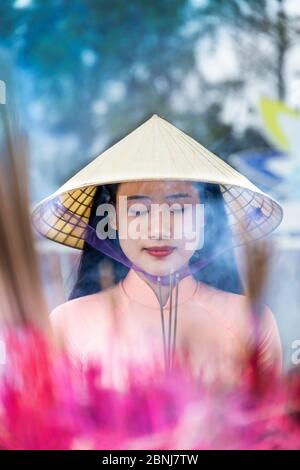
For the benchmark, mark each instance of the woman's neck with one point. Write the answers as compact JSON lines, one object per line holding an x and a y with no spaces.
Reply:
{"x":162,"y":292}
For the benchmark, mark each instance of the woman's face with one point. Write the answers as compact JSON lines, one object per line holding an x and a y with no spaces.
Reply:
{"x":157,"y":238}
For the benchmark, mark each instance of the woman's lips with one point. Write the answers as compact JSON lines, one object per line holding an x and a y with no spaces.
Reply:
{"x":160,"y":251}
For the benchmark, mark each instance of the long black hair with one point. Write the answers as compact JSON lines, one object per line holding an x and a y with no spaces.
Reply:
{"x":221,"y":272}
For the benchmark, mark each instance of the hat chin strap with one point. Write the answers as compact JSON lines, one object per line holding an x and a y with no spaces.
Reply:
{"x":169,"y":343}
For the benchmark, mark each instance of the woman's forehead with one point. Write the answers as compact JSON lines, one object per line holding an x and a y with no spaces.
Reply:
{"x":157,"y":188}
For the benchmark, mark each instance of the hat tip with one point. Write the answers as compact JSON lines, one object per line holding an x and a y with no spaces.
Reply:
{"x":155,"y":116}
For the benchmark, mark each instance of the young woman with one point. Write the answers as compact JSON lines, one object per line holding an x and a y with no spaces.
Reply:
{"x":167,"y":300}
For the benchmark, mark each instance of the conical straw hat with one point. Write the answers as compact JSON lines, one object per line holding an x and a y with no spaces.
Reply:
{"x":157,"y":150}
